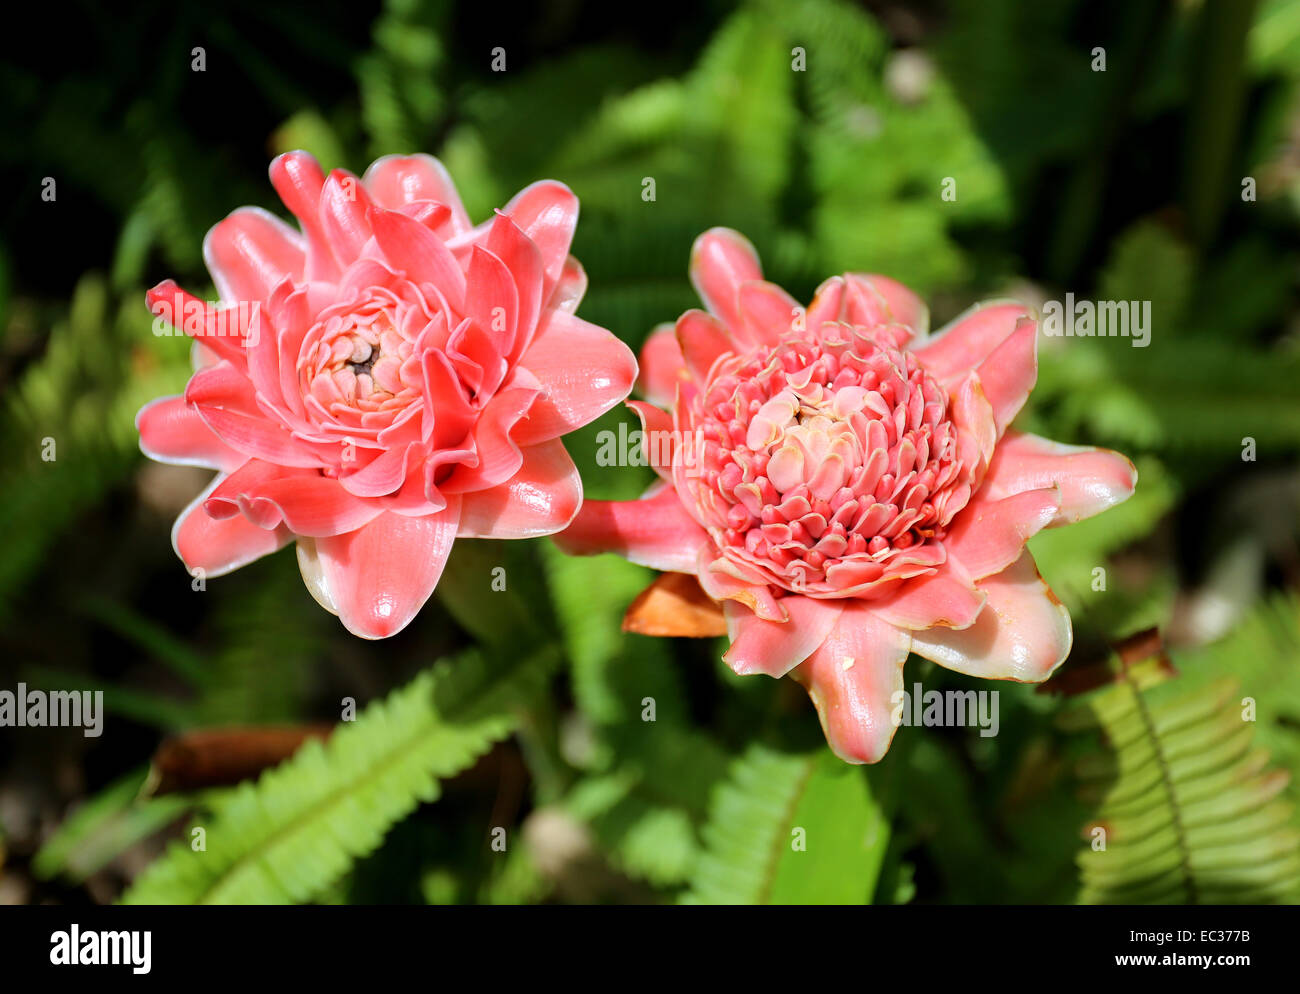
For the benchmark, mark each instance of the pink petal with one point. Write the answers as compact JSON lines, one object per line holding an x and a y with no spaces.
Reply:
{"x":397,"y":180}
{"x":653,"y":531}
{"x":477,"y":358}
{"x":379,"y":576}
{"x":827,"y":304}
{"x":499,"y":455}
{"x":225,"y":400}
{"x":960,"y":346}
{"x":767,"y":312}
{"x":313,"y":574}
{"x":448,"y":416}
{"x":219,"y":331}
{"x":852,"y":679}
{"x":658,"y":440}
{"x":171,"y":431}
{"x":989,"y":534}
{"x":1089,"y":479}
{"x":298,"y":179}
{"x":1022,"y":634}
{"x":250,"y":253}
{"x":386,"y":472}
{"x":571,"y":288}
{"x":540,"y":499}
{"x":721,"y":260}
{"x":717,"y":580}
{"x":702,"y":339}
{"x":547,"y":212}
{"x":662,"y":364}
{"x":415,"y":250}
{"x":344,"y":205}
{"x":947,"y":598}
{"x":304,"y":501}
{"x":774,"y":647}
{"x":977,"y":428}
{"x":524,"y":261}
{"x":264,"y":366}
{"x":491,"y":299}
{"x":1010,"y":372}
{"x":218,"y":546}
{"x":902,"y":306}
{"x":584,"y":371}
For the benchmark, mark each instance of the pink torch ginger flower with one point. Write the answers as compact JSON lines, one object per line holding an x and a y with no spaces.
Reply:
{"x":847,"y":487}
{"x":384,"y":381}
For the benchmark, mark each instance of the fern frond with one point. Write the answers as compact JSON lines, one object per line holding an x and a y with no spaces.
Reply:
{"x":1190,"y":812}
{"x":103,"y":827}
{"x":1261,"y":651}
{"x":791,"y":829}
{"x":302,"y":825}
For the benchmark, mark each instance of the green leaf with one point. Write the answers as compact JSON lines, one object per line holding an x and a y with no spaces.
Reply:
{"x":791,"y":829}
{"x":296,"y":830}
{"x":103,"y":827}
{"x":1189,"y":810}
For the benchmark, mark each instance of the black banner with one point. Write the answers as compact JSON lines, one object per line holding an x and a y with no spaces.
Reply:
{"x":919,"y":943}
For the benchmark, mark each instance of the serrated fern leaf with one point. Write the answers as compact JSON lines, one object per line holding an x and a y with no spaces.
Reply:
{"x":747,"y":828}
{"x":1189,"y":811}
{"x":791,"y":829}
{"x":297,"y":829}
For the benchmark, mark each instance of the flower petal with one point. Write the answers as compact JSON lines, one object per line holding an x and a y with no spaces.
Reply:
{"x":962,"y":344}
{"x":658,"y":439}
{"x":948,"y":598}
{"x":379,"y":576}
{"x":719,"y":582}
{"x":491,"y":299}
{"x":423,"y":256}
{"x":222,"y":331}
{"x":540,"y":499}
{"x":344,"y":205}
{"x":988,"y":535}
{"x":777,"y":647}
{"x":499,"y":455}
{"x":298,"y":179}
{"x":306,"y":502}
{"x":225,"y":400}
{"x":721,"y":260}
{"x":662,"y":364}
{"x":827,"y":303}
{"x":397,"y":180}
{"x":171,"y":431}
{"x":547,"y":212}
{"x":524,"y":261}
{"x":1010,"y":372}
{"x":250,"y":253}
{"x":702,"y":338}
{"x":902,"y":306}
{"x":1022,"y":634}
{"x":768,"y":313}
{"x":218,"y":546}
{"x":1089,"y":479}
{"x":571,"y":287}
{"x":584,"y":371}
{"x":653,"y":531}
{"x":852,"y":679}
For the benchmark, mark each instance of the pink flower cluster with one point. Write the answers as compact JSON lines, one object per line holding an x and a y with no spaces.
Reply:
{"x":404,"y":380}
{"x":859,"y":495}
{"x":390,"y":377}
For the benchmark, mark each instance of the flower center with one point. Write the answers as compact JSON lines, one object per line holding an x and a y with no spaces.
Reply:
{"x":360,"y":362}
{"x":830,"y":465}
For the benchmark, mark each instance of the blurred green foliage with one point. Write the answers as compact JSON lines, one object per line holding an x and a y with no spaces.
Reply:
{"x":827,"y":132}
